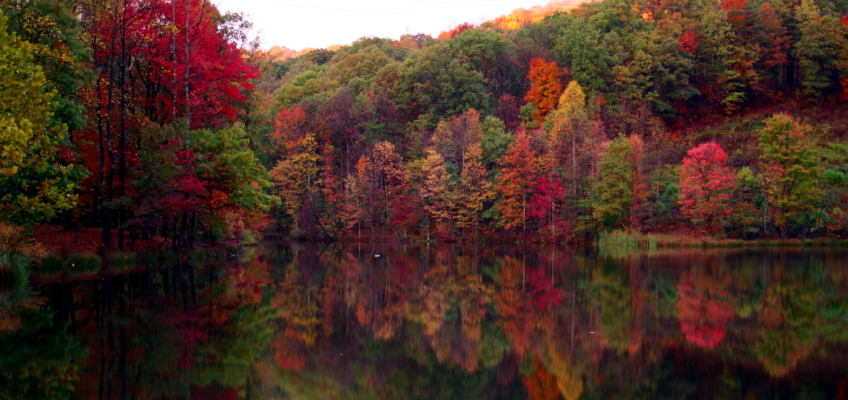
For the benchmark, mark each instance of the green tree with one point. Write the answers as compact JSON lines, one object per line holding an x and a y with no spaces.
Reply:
{"x":442,"y":83}
{"x":660,"y":69}
{"x":821,"y":50}
{"x":616,"y":193}
{"x":52,"y":27}
{"x":718,"y":56}
{"x":495,"y":141}
{"x":359,"y":65}
{"x":790,"y":167}
{"x":488,"y":52}
{"x":226,"y":162}
{"x":33,"y":185}
{"x":302,"y":86}
{"x":578,"y":45}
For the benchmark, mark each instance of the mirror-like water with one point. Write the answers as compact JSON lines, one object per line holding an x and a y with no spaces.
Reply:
{"x":356,"y":321}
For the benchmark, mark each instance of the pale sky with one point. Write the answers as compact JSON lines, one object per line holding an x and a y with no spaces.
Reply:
{"x":299,"y":24}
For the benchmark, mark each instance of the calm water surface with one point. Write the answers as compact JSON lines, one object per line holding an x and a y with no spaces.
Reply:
{"x":446,"y":322}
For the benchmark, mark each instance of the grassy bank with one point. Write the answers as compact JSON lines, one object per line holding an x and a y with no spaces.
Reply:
{"x":632,"y":240}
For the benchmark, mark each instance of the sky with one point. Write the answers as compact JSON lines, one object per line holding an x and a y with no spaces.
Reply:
{"x":298,"y":24}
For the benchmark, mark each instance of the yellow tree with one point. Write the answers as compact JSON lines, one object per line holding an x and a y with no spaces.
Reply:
{"x":567,"y":121}
{"x":567,"y":375}
{"x":437,"y":193}
{"x":351,"y":212}
{"x":297,"y":176}
{"x":33,"y":185}
{"x":475,"y":189}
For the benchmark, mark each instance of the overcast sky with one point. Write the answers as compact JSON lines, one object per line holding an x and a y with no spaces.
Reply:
{"x":298,"y":24}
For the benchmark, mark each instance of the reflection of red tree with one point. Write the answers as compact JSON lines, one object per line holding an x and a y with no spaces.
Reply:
{"x":286,"y":353}
{"x":703,"y":309}
{"x":545,"y":295}
{"x":516,"y":312}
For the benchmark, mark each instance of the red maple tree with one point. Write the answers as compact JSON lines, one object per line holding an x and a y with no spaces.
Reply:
{"x":705,"y":185}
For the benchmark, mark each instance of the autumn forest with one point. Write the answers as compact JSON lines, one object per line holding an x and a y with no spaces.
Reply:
{"x":525,"y":208}
{"x":159,"y":119}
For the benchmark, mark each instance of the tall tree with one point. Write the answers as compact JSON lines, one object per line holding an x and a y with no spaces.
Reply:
{"x":297,"y":177}
{"x":568,"y":123}
{"x":790,"y":167}
{"x":515,"y":183}
{"x":775,"y":42}
{"x":475,"y":189}
{"x":453,"y":136}
{"x":718,"y":56}
{"x":613,"y":205}
{"x":439,"y":194}
{"x":821,"y":50}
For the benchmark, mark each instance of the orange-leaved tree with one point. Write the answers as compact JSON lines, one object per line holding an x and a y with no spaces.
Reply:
{"x":515,"y":183}
{"x":545,"y":87}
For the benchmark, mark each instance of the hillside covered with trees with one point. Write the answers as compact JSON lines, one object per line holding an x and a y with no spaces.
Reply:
{"x":618,"y":115}
{"x":159,"y":119}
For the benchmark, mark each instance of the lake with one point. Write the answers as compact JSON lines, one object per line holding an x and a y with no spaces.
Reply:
{"x":361,"y":321}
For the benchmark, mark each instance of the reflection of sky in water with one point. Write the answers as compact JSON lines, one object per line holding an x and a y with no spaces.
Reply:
{"x":435,"y":322}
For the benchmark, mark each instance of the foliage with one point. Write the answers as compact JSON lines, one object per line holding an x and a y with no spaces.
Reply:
{"x":790,"y":169}
{"x":545,"y":88}
{"x":33,"y":185}
{"x":152,"y":118}
{"x":615,"y":191}
{"x":515,"y":183}
{"x":703,"y":309}
{"x":705,"y":186}
{"x":46,"y":371}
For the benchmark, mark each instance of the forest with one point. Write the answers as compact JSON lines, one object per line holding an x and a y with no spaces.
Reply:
{"x":161,"y":121}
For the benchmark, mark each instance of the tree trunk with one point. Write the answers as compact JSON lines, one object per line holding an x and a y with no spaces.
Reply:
{"x":123,"y":139}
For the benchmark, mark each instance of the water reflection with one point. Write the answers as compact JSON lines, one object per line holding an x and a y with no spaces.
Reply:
{"x":295,"y":321}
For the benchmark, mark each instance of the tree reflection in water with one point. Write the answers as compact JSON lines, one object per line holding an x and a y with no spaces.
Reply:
{"x":295,"y":321}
